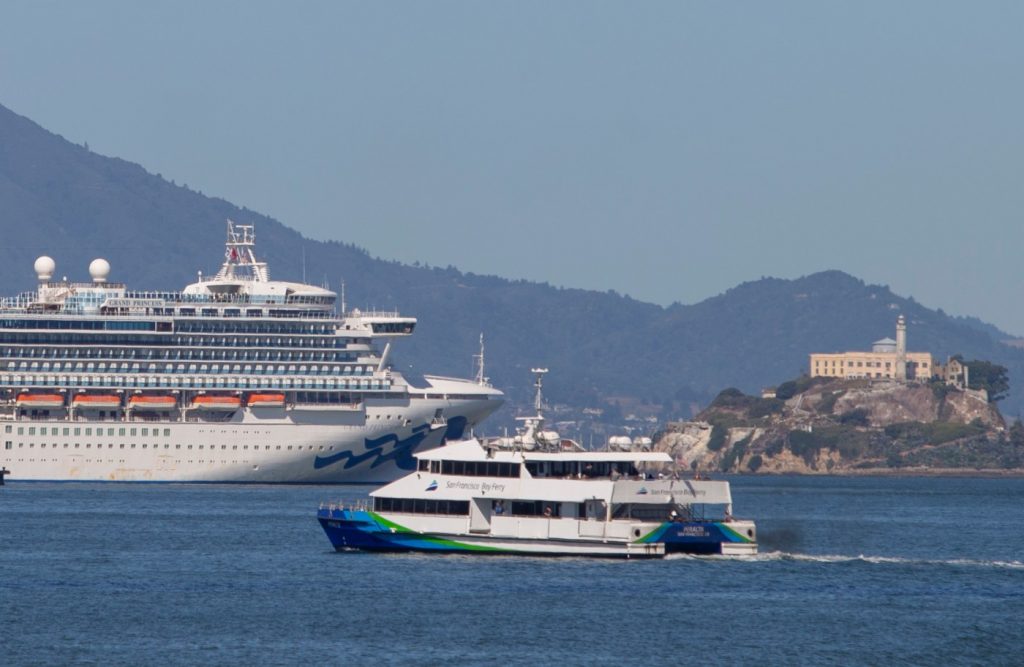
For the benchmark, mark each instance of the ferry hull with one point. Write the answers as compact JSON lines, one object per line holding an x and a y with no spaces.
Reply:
{"x":369,"y":531}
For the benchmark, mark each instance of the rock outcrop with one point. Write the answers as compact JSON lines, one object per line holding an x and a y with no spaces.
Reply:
{"x":846,"y":426}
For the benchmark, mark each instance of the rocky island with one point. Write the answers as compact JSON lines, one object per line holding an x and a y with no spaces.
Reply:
{"x":848,"y":426}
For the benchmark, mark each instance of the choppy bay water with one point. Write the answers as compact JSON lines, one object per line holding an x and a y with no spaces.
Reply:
{"x":852,"y":571}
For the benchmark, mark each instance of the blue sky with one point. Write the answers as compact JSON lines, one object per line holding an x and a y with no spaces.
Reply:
{"x":665,"y":150}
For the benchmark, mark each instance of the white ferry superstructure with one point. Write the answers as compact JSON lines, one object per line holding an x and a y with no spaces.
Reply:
{"x":237,"y":378}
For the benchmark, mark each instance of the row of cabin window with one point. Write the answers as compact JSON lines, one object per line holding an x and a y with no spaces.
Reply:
{"x":10,"y":445}
{"x":326,"y":343}
{"x":580,"y":468}
{"x":461,"y":507}
{"x":101,"y":324}
{"x":199,"y":382}
{"x":471,"y":468}
{"x":420,"y":506}
{"x":211,"y":353}
{"x":88,"y":430}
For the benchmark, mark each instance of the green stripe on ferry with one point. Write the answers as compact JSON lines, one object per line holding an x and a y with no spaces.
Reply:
{"x":440,"y":541}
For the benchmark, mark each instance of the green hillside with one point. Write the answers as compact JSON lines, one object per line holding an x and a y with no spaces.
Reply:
{"x":62,"y":200}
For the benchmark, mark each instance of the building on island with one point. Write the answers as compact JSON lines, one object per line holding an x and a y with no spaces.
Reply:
{"x":888,"y":358}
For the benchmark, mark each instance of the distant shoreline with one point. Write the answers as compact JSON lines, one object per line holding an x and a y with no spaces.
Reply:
{"x":901,"y":472}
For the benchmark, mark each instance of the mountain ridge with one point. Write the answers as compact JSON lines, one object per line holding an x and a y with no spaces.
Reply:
{"x":62,"y":200}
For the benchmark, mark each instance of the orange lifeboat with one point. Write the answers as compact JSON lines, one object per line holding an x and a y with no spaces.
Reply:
{"x":265,"y":400}
{"x":141,"y":402}
{"x":216,"y":402}
{"x":40,"y":400}
{"x":96,"y":401}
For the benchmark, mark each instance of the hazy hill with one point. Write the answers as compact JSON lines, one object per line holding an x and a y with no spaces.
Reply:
{"x":60,"y":199}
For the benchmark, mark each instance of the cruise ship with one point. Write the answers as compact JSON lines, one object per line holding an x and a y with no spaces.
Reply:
{"x":236,"y":378}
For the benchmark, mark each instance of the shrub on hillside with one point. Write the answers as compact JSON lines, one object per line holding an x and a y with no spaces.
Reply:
{"x":717,"y":438}
{"x":855,"y":417}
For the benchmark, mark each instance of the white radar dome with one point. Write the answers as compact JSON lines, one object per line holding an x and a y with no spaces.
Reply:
{"x":99,"y":269}
{"x":45,"y":266}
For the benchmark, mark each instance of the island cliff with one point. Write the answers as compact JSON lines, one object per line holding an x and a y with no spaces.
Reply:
{"x":837,"y":426}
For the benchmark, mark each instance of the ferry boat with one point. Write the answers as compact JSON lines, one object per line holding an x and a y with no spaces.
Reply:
{"x":538,"y":494}
{"x":235,"y":378}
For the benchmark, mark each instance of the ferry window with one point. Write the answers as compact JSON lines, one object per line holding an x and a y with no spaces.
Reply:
{"x":425,"y":465}
{"x":7,"y":445}
{"x":120,"y":431}
{"x":88,"y":431}
{"x":122,"y":445}
{"x":167,"y":432}
{"x":132,"y":432}
{"x":31,"y":430}
{"x":145,"y":432}
{"x":7,"y":429}
{"x":110,"y":431}
{"x":177,"y":446}
{"x":435,"y":466}
{"x":21,"y":430}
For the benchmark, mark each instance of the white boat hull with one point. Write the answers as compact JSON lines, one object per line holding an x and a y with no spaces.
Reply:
{"x":316,"y":445}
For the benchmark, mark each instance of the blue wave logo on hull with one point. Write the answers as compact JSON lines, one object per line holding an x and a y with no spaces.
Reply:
{"x":400,"y":450}
{"x":432,"y":486}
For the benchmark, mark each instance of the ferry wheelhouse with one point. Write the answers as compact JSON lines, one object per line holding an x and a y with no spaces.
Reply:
{"x":541,"y":495}
{"x":235,"y":378}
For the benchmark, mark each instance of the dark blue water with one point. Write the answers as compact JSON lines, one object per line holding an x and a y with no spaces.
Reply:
{"x":852,"y":571}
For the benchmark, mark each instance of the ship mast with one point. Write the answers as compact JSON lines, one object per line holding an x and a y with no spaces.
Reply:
{"x":478,"y":361}
{"x":240,"y":251}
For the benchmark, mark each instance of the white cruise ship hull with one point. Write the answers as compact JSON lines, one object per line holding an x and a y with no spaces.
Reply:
{"x":294,"y":445}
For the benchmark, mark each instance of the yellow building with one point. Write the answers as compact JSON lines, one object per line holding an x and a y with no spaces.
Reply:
{"x":888,"y":358}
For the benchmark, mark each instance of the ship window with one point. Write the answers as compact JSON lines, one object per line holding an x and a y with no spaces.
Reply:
{"x":132,"y":432}
{"x":7,"y":429}
{"x":145,"y":432}
{"x":425,"y":466}
{"x":435,"y":467}
{"x":7,"y":444}
{"x":21,"y":430}
{"x":31,"y":430}
{"x":167,"y":432}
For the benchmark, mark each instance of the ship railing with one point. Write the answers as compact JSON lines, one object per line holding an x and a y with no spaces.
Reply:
{"x":351,"y":505}
{"x":355,"y":314}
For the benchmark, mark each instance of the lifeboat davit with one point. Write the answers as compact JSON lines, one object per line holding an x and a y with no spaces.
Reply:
{"x":40,"y":400}
{"x":265,"y":400}
{"x":217,"y":402}
{"x":152,"y":402}
{"x":96,"y":401}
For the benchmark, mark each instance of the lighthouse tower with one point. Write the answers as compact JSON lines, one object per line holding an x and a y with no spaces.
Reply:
{"x":901,"y":349}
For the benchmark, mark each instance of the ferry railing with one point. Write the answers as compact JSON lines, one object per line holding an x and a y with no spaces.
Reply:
{"x":351,"y":505}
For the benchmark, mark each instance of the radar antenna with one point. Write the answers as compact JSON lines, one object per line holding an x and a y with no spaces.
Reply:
{"x":240,"y":251}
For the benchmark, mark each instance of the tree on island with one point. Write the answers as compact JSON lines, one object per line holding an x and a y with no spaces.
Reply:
{"x":993,"y":378}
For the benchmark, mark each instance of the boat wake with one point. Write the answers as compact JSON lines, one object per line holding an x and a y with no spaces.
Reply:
{"x":777,"y":556}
